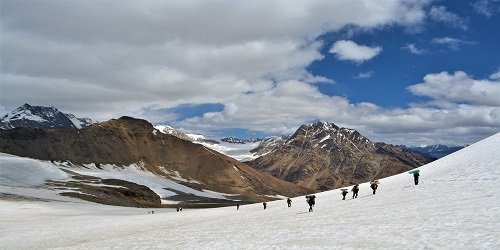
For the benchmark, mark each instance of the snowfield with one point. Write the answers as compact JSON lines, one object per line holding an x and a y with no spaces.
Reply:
{"x":24,"y":176}
{"x":455,"y":206}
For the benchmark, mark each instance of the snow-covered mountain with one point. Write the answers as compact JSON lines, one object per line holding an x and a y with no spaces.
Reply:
{"x":437,"y":150}
{"x":172,"y":131}
{"x":238,"y":149}
{"x":455,"y":206}
{"x":240,"y":141}
{"x":41,"y":117}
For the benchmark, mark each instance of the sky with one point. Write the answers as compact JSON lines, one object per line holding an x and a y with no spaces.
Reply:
{"x":399,"y":71}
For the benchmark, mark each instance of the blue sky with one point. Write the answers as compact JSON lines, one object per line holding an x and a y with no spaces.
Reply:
{"x":400,"y":71}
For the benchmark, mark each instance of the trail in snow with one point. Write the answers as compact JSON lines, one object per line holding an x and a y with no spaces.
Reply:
{"x":455,"y":206}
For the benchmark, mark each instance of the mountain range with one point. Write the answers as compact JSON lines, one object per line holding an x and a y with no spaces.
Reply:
{"x":437,"y":151}
{"x":129,"y":144}
{"x":317,"y":157}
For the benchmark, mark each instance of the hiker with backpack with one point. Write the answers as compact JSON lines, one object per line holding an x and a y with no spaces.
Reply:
{"x":374,"y":185}
{"x":311,"y":200}
{"x":355,"y":191}
{"x":415,"y":177}
{"x":344,"y":193}
{"x":289,"y":202}
{"x":264,"y":204}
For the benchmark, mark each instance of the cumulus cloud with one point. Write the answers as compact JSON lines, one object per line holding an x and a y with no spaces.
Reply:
{"x":413,"y":49}
{"x":141,"y":58}
{"x":468,"y":113}
{"x":459,"y":87}
{"x":347,"y":50}
{"x":441,"y":14}
{"x":159,"y":54}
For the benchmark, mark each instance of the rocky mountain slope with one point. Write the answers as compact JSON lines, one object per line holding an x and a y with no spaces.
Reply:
{"x":41,"y":117}
{"x":322,"y":156}
{"x":127,"y":141}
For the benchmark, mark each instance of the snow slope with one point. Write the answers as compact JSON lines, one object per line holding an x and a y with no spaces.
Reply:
{"x":455,"y":206}
{"x":25,"y":176}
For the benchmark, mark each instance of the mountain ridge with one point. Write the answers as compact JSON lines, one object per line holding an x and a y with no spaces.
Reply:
{"x":41,"y":117}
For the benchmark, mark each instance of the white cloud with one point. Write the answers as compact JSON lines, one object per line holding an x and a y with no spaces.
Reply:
{"x":486,"y":7}
{"x":159,"y":54}
{"x":364,"y":75}
{"x":466,"y":114}
{"x":441,"y":14}
{"x":459,"y":87}
{"x":350,"y":51}
{"x":413,"y":49}
{"x":496,"y":75}
{"x":452,"y":43}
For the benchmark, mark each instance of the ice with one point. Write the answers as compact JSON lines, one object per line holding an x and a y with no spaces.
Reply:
{"x":455,"y":206}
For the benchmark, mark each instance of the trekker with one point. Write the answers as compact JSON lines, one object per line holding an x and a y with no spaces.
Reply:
{"x":415,"y":177}
{"x":355,"y":191}
{"x":311,"y":200}
{"x":344,"y":193}
{"x":237,"y":206}
{"x":374,"y":185}
{"x":289,"y":202}
{"x":265,"y":205}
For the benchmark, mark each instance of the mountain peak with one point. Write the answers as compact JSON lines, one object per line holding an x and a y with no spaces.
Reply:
{"x":41,"y":117}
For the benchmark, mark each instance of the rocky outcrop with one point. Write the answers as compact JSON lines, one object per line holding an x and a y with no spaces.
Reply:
{"x":322,"y":156}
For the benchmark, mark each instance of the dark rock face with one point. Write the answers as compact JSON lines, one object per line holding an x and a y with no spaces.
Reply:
{"x":322,"y":156}
{"x":127,"y":140}
{"x":41,"y":117}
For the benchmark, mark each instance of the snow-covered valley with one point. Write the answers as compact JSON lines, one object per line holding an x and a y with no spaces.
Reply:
{"x":455,"y":206}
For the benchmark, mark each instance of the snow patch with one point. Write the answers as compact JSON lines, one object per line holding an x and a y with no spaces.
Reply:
{"x":24,"y":172}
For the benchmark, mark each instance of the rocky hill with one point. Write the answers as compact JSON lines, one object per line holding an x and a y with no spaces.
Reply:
{"x":41,"y":117}
{"x":322,"y":156}
{"x":127,"y":141}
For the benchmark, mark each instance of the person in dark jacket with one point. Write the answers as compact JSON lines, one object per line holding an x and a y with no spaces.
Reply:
{"x":415,"y":177}
{"x":374,"y":186}
{"x":344,"y":193}
{"x":237,"y":206}
{"x":265,"y":205}
{"x":289,"y":202}
{"x":311,"y":200}
{"x":355,"y":191}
